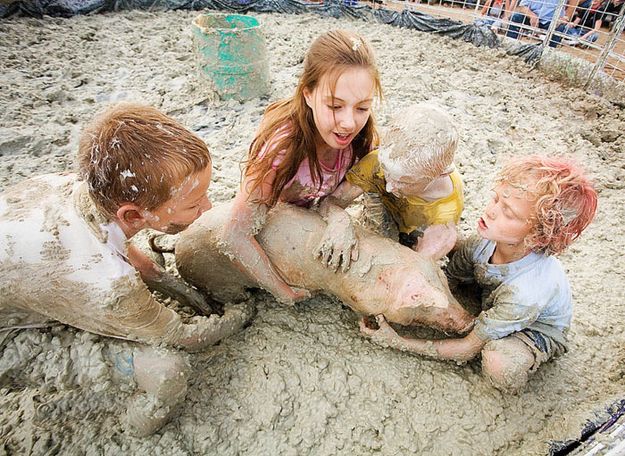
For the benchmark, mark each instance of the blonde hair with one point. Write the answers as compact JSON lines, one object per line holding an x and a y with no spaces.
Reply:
{"x":565,"y":199}
{"x":132,"y":153}
{"x":330,"y":54}
{"x":420,"y":140}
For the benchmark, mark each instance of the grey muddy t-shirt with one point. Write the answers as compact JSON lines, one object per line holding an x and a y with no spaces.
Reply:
{"x":532,"y":292}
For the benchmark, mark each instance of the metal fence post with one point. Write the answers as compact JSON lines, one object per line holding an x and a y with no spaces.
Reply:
{"x":616,"y":32}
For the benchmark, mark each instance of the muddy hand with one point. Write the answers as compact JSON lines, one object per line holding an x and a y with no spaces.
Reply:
{"x":202,"y":332}
{"x":240,"y":315}
{"x":177,"y":289}
{"x":437,"y":241}
{"x":338,"y":246}
{"x":384,"y":335}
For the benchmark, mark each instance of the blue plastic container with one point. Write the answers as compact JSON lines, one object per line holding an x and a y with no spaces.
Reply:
{"x":231,"y":55}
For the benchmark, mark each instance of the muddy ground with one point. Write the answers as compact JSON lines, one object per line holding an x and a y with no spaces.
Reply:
{"x":302,"y":380}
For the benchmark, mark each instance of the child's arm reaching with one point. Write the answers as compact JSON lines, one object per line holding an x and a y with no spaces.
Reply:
{"x":138,"y":316}
{"x":156,"y":278}
{"x":460,"y":350}
{"x":437,"y":240}
{"x":246,"y":219}
{"x":202,"y":332}
{"x":339,"y":243}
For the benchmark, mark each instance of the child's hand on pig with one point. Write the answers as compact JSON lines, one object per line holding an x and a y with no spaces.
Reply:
{"x":384,"y":335}
{"x":339,"y":243}
{"x":437,"y":241}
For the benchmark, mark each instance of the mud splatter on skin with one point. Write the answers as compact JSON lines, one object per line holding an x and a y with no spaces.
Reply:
{"x":301,"y":379}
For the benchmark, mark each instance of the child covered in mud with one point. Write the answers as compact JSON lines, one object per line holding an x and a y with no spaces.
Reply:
{"x":304,"y":147}
{"x":539,"y":207}
{"x":414,"y":175}
{"x":65,"y":257}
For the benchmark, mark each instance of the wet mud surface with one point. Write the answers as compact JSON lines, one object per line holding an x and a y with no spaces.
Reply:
{"x":302,"y":380}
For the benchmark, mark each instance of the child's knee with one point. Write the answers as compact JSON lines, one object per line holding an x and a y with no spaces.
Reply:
{"x":162,"y":373}
{"x":507,"y":363}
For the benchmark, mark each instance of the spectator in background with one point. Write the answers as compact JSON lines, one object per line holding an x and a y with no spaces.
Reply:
{"x":588,"y":18}
{"x":494,"y":13}
{"x":537,"y":14}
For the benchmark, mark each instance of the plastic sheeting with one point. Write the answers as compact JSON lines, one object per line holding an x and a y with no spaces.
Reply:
{"x":530,"y":53}
{"x":598,"y":433}
{"x":478,"y":35}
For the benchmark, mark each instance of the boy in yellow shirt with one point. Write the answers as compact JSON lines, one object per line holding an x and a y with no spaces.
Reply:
{"x":414,"y":174}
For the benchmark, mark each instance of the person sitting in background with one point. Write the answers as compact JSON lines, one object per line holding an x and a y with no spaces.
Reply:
{"x":538,"y":14}
{"x":495,"y":13}
{"x":588,"y":18}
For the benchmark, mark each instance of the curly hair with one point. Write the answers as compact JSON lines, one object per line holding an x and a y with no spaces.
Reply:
{"x":565,"y":199}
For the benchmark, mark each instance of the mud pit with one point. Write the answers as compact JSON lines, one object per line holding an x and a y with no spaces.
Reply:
{"x":301,"y":380}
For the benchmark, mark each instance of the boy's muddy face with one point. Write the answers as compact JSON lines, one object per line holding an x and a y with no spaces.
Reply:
{"x":338,"y":120}
{"x":188,"y":201}
{"x":406,"y":185}
{"x":508,"y":216}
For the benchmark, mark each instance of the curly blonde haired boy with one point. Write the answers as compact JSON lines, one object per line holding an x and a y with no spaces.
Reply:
{"x":540,"y":205}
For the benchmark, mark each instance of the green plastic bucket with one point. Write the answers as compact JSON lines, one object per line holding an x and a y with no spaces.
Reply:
{"x":231,"y":55}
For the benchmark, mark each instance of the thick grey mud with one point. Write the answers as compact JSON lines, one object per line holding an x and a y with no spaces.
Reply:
{"x":301,"y":380}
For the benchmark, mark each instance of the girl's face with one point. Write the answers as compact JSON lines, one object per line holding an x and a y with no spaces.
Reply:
{"x":508,"y":216}
{"x":339,"y":120}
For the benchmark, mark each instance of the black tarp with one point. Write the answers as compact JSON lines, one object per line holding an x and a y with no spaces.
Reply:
{"x":478,"y":35}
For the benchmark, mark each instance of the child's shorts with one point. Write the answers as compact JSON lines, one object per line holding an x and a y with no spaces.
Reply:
{"x":541,"y":345}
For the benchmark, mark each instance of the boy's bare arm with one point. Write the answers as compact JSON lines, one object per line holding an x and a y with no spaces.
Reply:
{"x":485,"y":8}
{"x":460,"y":350}
{"x":437,"y":241}
{"x":508,"y":8}
{"x":157,"y":279}
{"x":530,"y":14}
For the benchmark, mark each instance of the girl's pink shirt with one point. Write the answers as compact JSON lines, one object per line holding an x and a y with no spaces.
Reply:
{"x":301,"y":190}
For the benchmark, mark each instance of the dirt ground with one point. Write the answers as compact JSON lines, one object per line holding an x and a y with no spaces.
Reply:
{"x":302,"y":380}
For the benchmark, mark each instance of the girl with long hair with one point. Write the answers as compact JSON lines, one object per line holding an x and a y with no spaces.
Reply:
{"x":303,"y":149}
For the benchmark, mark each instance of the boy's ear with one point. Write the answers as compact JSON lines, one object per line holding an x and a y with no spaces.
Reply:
{"x":131,"y":216}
